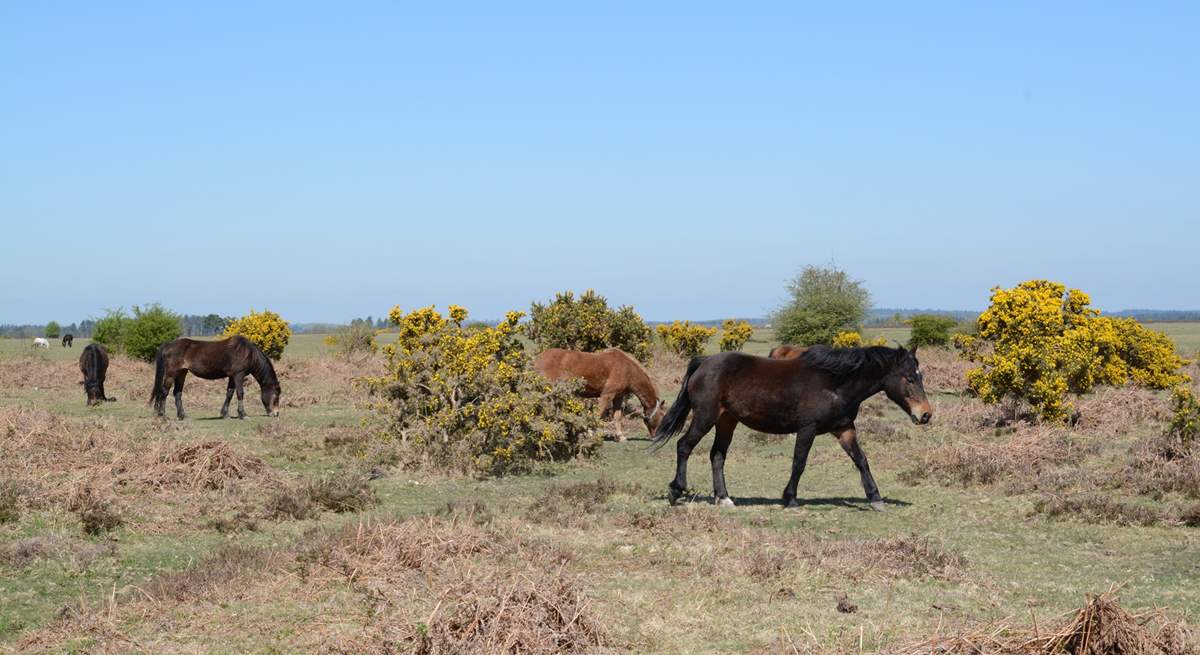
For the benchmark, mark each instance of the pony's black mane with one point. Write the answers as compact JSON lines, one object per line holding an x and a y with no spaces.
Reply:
{"x":262,"y":370}
{"x":847,"y":361}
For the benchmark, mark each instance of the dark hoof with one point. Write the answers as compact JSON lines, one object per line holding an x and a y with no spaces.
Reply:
{"x":790,"y":503}
{"x":673,"y":495}
{"x":878,"y":506}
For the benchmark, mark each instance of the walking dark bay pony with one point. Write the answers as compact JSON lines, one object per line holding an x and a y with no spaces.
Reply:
{"x":819,"y":391}
{"x":68,"y":341}
{"x":609,"y":375}
{"x":231,"y":358}
{"x":93,"y":363}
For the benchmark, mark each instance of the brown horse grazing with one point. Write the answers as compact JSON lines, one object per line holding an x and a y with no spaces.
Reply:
{"x":93,"y":363}
{"x":819,"y":391}
{"x":231,"y":358}
{"x":609,"y":375}
{"x":787,"y":351}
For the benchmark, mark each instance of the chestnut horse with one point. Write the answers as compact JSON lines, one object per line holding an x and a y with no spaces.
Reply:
{"x":609,"y":375}
{"x":786,"y":351}
{"x":232,"y":358}
{"x":819,"y":391}
{"x":93,"y":363}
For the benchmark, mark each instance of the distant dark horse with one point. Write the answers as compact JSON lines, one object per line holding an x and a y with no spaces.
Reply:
{"x":68,"y":341}
{"x":93,"y":363}
{"x":231,"y":358}
{"x":819,"y":391}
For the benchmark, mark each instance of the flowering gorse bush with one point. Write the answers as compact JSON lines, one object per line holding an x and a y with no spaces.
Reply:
{"x":1038,"y":342}
{"x":1185,"y":417}
{"x":465,"y":399}
{"x":587,"y":323}
{"x":685,"y":338}
{"x":267,"y":330}
{"x":735,"y":334}
{"x":855,"y":340}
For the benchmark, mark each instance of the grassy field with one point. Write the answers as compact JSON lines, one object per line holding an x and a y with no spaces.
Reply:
{"x":971,"y":533}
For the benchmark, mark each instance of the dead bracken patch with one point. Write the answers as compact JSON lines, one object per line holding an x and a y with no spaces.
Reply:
{"x":54,"y":547}
{"x":574,"y":504}
{"x":1097,"y":508}
{"x":211,"y":464}
{"x":1028,"y":452}
{"x":1101,"y":627}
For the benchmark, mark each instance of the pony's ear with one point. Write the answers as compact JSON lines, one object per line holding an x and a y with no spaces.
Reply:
{"x":914,"y":350}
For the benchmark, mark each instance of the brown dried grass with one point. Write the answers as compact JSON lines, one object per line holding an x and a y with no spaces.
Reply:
{"x":1029,"y":452}
{"x":211,"y":464}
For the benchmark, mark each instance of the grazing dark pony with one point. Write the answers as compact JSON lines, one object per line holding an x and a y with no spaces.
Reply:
{"x":231,"y":358}
{"x":819,"y":391}
{"x":68,"y":341}
{"x":93,"y":363}
{"x":609,"y":375}
{"x":786,"y":351}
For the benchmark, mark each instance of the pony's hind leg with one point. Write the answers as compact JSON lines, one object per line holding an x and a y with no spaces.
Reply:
{"x":228,"y":398}
{"x":848,"y":438}
{"x":725,"y":427}
{"x":804,"y":442}
{"x":702,"y":421}
{"x":179,"y":394}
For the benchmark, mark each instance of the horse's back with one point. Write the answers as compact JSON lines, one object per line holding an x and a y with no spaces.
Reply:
{"x":563,"y":364}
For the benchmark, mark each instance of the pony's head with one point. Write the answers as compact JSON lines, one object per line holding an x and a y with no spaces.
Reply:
{"x":655,"y":417}
{"x":904,"y":386}
{"x":270,"y":397}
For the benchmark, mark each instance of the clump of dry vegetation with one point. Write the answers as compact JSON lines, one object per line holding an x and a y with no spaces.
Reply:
{"x":347,"y":492}
{"x":212,"y":464}
{"x":1101,"y":627}
{"x":576,"y":504}
{"x":1030,"y":451}
{"x":11,"y":493}
{"x":97,"y":513}
{"x":74,"y":552}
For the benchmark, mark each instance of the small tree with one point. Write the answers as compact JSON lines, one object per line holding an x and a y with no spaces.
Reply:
{"x":214,"y":324}
{"x":149,"y":329}
{"x":266,"y":329}
{"x":685,"y":338}
{"x":110,"y":330}
{"x":824,"y":301}
{"x":588,"y":324}
{"x":930,"y":330}
{"x":735,"y":334}
{"x":53,"y":330}
{"x":353,"y":340}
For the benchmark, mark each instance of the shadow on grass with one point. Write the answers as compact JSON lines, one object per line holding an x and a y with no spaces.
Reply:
{"x":856,"y":503}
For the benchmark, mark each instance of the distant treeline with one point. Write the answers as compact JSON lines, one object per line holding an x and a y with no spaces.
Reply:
{"x":194,"y":325}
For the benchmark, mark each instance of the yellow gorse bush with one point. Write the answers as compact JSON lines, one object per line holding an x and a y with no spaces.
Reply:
{"x":1038,"y":342}
{"x":855,"y":340}
{"x":266,"y":329}
{"x":466,"y":399}
{"x":735,"y":334}
{"x":685,"y":338}
{"x":587,"y":323}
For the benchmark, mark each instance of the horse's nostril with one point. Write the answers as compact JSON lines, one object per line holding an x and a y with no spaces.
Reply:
{"x":926,"y":416}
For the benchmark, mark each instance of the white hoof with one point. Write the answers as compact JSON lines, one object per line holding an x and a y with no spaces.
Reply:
{"x":724,"y":502}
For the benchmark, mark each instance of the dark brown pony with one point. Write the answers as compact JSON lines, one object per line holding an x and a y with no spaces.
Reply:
{"x":232,"y":358}
{"x":609,"y":375}
{"x":68,"y":341}
{"x":786,"y":351}
{"x":93,"y":363}
{"x":819,"y":391}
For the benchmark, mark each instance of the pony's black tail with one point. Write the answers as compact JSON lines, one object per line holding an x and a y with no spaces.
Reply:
{"x":672,"y":423}
{"x":160,"y":371}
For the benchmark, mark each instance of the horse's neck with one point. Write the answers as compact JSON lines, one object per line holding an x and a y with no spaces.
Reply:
{"x":858,"y":388}
{"x":643,"y":388}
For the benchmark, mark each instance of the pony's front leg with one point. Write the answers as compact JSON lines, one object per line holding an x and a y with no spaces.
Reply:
{"x":605,"y":403}
{"x":804,"y":442}
{"x":228,"y":398}
{"x":848,"y":438}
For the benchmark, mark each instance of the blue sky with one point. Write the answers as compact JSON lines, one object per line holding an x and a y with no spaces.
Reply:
{"x":687,"y":158}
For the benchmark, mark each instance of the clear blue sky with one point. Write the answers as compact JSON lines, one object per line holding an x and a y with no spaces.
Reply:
{"x":330,"y":160}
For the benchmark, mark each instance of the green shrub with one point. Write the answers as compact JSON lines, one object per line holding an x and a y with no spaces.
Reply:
{"x":110,"y":330}
{"x":266,"y":329}
{"x":824,"y":302}
{"x":149,"y":329}
{"x":354,"y":339}
{"x":734,"y":335}
{"x":1185,"y":418}
{"x":930,"y":330}
{"x":588,"y":324}
{"x":467,"y":400}
{"x":684,"y":338}
{"x":53,"y":330}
